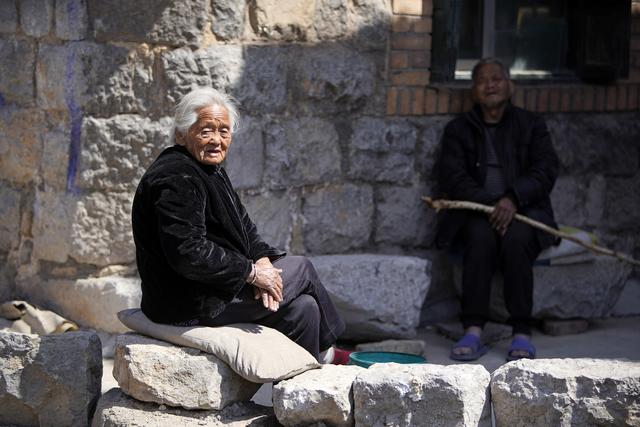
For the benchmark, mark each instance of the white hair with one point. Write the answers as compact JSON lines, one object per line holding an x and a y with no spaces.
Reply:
{"x":186,"y":112}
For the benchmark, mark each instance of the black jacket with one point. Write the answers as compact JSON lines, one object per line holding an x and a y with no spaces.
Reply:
{"x":194,"y":240}
{"x":529,"y":161}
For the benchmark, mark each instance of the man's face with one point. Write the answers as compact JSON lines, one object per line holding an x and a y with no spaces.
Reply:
{"x":491,"y":88}
{"x":208,"y":139}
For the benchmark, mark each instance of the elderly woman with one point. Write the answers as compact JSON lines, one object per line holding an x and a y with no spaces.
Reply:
{"x":199,"y":255}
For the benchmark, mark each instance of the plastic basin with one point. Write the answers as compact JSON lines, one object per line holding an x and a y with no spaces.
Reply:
{"x":368,"y":358}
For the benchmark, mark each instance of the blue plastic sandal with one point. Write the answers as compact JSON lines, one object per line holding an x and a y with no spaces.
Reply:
{"x":521,"y":344}
{"x":471,"y":342}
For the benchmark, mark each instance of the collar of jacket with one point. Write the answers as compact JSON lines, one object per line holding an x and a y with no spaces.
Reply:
{"x":208,"y":169}
{"x":474,"y":116}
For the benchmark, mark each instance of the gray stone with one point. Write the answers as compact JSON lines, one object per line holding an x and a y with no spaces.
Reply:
{"x":317,"y":396}
{"x":302,"y":151}
{"x":622,"y":204}
{"x":116,"y":151}
{"x":8,"y":16}
{"x":92,"y":303}
{"x":220,"y":67}
{"x":245,"y":159}
{"x":333,"y":79}
{"x":228,"y":18}
{"x":568,"y":201}
{"x":54,"y":164}
{"x":9,"y":217}
{"x":282,"y":20}
{"x":167,"y":22}
{"x":595,"y":200}
{"x":103,"y":79}
{"x":629,"y":302}
{"x":49,"y":380}
{"x":371,"y":20}
{"x":382,"y":150}
{"x":415,"y":395}
{"x":416,"y":347}
{"x":21,"y":132}
{"x":116,"y":409}
{"x":263,"y":85}
{"x":35,"y":17}
{"x":596,"y":143}
{"x":337,"y":219}
{"x":586,"y":290}
{"x":394,"y":206}
{"x":72,"y":20}
{"x":155,"y":371}
{"x":567,"y":392}
{"x":53,"y":212}
{"x":273,"y":215}
{"x":430,"y":132}
{"x":7,"y":278}
{"x":378,"y":296}
{"x":16,"y":71}
{"x":331,"y":19}
{"x":564,"y":327}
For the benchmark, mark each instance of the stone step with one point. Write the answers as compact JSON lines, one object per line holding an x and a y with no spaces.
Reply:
{"x":155,"y":371}
{"x":116,"y":409}
{"x":378,"y":296}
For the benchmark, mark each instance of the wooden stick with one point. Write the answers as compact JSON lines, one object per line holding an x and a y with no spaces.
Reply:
{"x":460,"y":204}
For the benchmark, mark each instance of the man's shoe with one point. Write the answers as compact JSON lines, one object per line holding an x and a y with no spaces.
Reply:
{"x":471,"y":342}
{"x":340,"y":357}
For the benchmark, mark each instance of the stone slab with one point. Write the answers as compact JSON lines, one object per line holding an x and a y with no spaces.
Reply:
{"x":35,"y":17}
{"x":564,"y":327}
{"x":116,"y":409}
{"x":49,"y":380}
{"x":572,"y":392}
{"x":629,"y":302}
{"x":72,"y":19}
{"x":416,"y":347}
{"x":16,"y":70}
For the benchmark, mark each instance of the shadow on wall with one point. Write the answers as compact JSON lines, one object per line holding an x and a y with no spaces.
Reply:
{"x":319,"y":166}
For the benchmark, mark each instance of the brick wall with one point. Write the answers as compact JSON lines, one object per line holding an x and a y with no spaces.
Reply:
{"x":410,"y":93}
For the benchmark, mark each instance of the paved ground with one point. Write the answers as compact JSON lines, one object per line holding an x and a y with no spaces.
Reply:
{"x":616,"y":338}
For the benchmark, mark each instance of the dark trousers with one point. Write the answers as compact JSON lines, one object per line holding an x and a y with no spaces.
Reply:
{"x":306,"y":315}
{"x":485,"y":251}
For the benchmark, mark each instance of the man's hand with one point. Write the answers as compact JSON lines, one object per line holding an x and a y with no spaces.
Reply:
{"x":267,"y":300}
{"x":268,"y":279}
{"x":502,"y":214}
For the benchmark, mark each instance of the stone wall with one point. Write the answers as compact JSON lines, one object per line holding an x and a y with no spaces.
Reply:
{"x":86,"y":91}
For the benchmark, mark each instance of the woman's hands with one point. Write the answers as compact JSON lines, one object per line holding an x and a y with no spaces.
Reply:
{"x":268,"y":284}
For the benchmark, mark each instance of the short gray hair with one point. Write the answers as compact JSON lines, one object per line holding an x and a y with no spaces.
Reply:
{"x":186,"y":112}
{"x":487,"y":61}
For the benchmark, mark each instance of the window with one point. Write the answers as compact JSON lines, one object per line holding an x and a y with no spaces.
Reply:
{"x":536,"y":39}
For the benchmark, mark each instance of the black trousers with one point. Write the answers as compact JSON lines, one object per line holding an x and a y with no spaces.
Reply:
{"x":485,"y":251}
{"x":306,"y":314}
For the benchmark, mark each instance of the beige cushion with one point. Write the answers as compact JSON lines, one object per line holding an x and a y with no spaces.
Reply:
{"x":256,"y":353}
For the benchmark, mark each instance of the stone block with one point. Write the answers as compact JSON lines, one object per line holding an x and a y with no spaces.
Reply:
{"x":428,"y":147}
{"x":396,"y":204}
{"x":155,"y":371}
{"x":115,"y":152}
{"x":166,"y":22}
{"x":418,"y":395}
{"x":416,"y":347}
{"x":333,"y":79}
{"x":337,"y":219}
{"x":228,"y":19}
{"x":53,"y":212}
{"x":586,"y":290}
{"x":282,"y":20}
{"x":330,"y":19}
{"x":595,"y":200}
{"x":301,"y":151}
{"x":57,"y":141}
{"x":629,"y":302}
{"x":220,"y":67}
{"x":371,"y":19}
{"x":16,"y":70}
{"x":378,"y":296}
{"x":564,"y":327}
{"x":72,"y":20}
{"x":49,"y":380}
{"x":116,"y":409}
{"x":273,"y":215}
{"x":572,"y":392}
{"x":568,"y":201}
{"x":382,"y":150}
{"x":262,"y":87}
{"x":245,"y":160}
{"x":317,"y":396}
{"x":622,"y":204}
{"x":9,"y":217}
{"x":8,"y":16}
{"x":35,"y":17}
{"x":21,"y":132}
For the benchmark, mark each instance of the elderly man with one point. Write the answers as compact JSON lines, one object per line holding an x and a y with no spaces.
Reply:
{"x":500,"y":155}
{"x":199,"y":255}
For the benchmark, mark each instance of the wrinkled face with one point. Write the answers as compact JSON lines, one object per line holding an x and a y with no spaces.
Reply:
{"x":491,"y":88}
{"x":208,"y":139}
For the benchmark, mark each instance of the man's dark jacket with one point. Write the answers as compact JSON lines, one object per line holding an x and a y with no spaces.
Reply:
{"x":530,"y":165}
{"x":194,"y":240}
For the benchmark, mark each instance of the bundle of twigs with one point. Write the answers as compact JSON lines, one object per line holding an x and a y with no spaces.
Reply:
{"x":459,"y":204}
